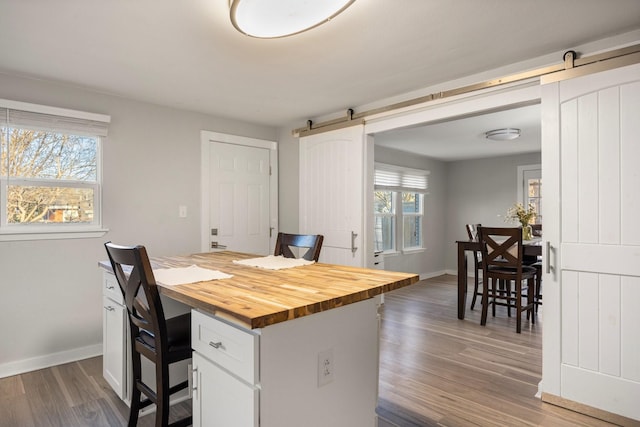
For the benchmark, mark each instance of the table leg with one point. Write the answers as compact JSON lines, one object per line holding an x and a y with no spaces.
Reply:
{"x":462,"y":281}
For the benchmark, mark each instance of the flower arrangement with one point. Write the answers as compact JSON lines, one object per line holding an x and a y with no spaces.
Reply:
{"x":518,"y":213}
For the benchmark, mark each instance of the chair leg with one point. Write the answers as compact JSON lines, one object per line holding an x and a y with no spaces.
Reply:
{"x":494,"y":292}
{"x":475,"y":285}
{"x":485,"y":300}
{"x":538,"y":286}
{"x":162,"y":394}
{"x":507,"y":290}
{"x":134,"y":411}
{"x":518,"y":306}
{"x":531,"y":303}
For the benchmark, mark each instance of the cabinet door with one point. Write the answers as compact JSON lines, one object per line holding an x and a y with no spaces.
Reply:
{"x":113,"y":345}
{"x":220,"y":399}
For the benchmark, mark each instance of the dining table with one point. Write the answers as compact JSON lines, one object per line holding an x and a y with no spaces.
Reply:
{"x":531,"y":247}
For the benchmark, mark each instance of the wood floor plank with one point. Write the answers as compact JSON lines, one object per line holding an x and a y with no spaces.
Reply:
{"x":46,"y":400}
{"x":435,"y":370}
{"x":97,"y":413}
{"x":75,"y":384}
{"x":444,"y":371}
{"x":15,"y":411}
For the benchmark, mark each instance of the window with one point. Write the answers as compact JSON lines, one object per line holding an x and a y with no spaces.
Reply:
{"x":530,"y":188}
{"x":412,"y":220}
{"x":398,"y":208}
{"x":385,"y":220}
{"x":49,"y":170}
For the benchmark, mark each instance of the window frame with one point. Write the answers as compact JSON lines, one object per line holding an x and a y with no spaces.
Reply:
{"x":394,"y":221}
{"x":76,"y":119}
{"x":420,"y":215}
{"x":523,"y":172}
{"x":399,"y":180}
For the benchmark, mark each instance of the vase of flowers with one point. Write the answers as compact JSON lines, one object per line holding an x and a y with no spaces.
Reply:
{"x":518,"y":213}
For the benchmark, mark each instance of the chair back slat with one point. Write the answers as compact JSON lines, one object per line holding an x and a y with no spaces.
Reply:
{"x":286,"y":241}
{"x":501,"y":246}
{"x":134,"y":275}
{"x":472,"y":231}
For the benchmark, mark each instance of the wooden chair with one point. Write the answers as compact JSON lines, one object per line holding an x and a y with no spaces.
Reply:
{"x":162,"y":341}
{"x":536,"y":262}
{"x":472,"y":232}
{"x":502,"y":263}
{"x":536,"y":230}
{"x":285,"y":242}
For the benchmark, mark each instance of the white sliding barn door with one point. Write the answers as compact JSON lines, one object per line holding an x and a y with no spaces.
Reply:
{"x":332,"y":177}
{"x":591,"y":154}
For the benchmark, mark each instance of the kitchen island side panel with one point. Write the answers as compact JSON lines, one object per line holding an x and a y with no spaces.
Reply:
{"x":291,"y":394}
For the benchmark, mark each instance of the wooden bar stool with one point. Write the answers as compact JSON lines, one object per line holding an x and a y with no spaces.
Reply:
{"x":162,"y":341}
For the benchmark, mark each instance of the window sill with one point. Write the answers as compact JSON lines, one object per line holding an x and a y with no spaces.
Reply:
{"x":12,"y":236}
{"x":413,"y":251}
{"x":390,"y":253}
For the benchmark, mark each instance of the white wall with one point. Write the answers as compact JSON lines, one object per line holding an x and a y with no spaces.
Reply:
{"x":288,"y":180}
{"x":50,"y":304}
{"x":480,"y":191}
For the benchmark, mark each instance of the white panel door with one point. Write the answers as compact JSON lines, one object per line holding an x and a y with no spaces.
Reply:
{"x":591,"y":148}
{"x":239,"y":201}
{"x":332,"y":193}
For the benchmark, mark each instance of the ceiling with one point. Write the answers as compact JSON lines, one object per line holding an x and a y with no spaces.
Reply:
{"x":186,"y":54}
{"x":465,"y":139}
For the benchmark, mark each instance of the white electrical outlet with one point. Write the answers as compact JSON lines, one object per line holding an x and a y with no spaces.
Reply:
{"x":325,"y":367}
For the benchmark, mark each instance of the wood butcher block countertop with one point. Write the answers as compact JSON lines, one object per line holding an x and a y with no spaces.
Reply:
{"x":258,"y":297}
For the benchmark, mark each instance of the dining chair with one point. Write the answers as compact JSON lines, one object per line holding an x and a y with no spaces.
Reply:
{"x":312,"y":242}
{"x":502,"y":253}
{"x":162,"y":341}
{"x":536,"y":262}
{"x":472,"y":232}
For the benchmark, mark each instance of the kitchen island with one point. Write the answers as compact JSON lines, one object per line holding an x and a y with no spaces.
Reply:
{"x":279,"y":348}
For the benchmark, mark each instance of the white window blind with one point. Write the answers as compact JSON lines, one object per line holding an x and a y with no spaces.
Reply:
{"x":398,"y":178}
{"x":52,"y":122}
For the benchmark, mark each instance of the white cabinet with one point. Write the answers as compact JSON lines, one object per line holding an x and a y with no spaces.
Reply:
{"x":114,"y":322}
{"x":220,"y":399}
{"x":378,"y":260}
{"x":225,"y":373}
{"x":272,"y":377}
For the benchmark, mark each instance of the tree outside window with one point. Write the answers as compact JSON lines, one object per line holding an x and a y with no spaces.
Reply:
{"x":48,"y":177}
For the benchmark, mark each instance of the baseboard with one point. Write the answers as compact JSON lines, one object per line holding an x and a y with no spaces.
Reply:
{"x":589,"y":410}
{"x":48,"y":360}
{"x":424,"y":276}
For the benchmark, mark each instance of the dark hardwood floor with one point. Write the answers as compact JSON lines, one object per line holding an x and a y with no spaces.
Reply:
{"x":435,"y":370}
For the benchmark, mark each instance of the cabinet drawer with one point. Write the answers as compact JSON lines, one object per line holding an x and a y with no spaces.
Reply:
{"x":230,"y":347}
{"x":110,"y":288}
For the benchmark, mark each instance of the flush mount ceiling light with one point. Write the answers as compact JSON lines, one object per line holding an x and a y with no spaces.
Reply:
{"x":506,"y":134}
{"x":280,"y":18}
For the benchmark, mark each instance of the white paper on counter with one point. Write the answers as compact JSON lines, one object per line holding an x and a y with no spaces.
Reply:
{"x":184,"y":275}
{"x":273,"y":262}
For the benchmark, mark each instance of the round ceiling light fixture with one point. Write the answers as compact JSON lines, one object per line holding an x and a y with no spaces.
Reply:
{"x":506,"y":134}
{"x":281,"y":18}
